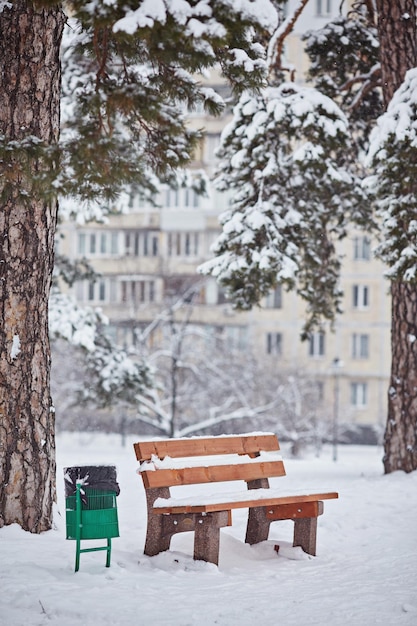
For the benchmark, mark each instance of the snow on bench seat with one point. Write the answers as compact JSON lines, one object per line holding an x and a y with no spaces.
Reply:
{"x":205,"y":461}
{"x":236,"y":500}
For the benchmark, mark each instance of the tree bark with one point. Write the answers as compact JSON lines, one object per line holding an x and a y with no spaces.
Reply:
{"x":400,"y":439}
{"x":30,"y":41}
{"x":398,"y":40}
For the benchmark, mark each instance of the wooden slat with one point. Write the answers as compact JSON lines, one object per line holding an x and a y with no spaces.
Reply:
{"x":296,"y":510}
{"x":202,"y":446}
{"x":211,"y":474}
{"x":245,"y":503}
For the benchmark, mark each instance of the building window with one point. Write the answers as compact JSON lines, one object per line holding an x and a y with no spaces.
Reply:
{"x":172,"y":198}
{"x":114,"y":243}
{"x":141,"y":243}
{"x":323,"y":7}
{"x":91,"y":291}
{"x":274,"y":343}
{"x":360,"y":296}
{"x":151,"y":291}
{"x":150,"y":244}
{"x":101,"y":290}
{"x":358,"y":395}
{"x":360,"y":346}
{"x":212,"y":293}
{"x":361,"y":248}
{"x":182,"y":198}
{"x":183,"y":244}
{"x":316,"y":344}
{"x":236,"y":337}
{"x":98,"y":244}
{"x":211,"y":144}
{"x":137,"y":291}
{"x":103,"y":243}
{"x":274,"y":298}
{"x":82,"y":243}
{"x":187,"y":245}
{"x":97,"y":291}
{"x":129,"y":243}
{"x":320,"y":390}
{"x":154,"y":245}
{"x":191,"y":199}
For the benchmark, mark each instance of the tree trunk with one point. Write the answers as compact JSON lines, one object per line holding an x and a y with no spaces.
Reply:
{"x":401,"y":430}
{"x":398,"y":40}
{"x":29,"y":106}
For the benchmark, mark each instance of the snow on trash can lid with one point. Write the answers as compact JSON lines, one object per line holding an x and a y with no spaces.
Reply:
{"x":102,"y":477}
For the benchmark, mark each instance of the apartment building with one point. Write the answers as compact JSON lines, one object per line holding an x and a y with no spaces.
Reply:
{"x":148,"y":255}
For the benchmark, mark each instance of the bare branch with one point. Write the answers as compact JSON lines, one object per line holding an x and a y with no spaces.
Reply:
{"x":369,"y":81}
{"x":241,"y":413}
{"x":373,"y":76}
{"x":276,"y":44}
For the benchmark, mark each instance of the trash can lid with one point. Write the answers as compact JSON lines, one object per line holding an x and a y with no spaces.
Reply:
{"x":102,"y":477}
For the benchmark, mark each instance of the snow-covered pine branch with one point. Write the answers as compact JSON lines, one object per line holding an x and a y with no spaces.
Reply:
{"x":285,"y":156}
{"x":77,"y":325}
{"x":344,"y":65}
{"x":112,"y":375}
{"x":126,"y":87}
{"x":393,"y":153}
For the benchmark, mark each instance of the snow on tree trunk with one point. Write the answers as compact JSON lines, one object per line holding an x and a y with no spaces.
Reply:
{"x":397,"y":35}
{"x":29,"y":108}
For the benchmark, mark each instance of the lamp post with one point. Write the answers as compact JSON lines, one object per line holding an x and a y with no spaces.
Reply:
{"x":337,"y":364}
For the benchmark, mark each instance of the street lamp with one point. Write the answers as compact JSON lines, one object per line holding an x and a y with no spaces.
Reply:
{"x":336,"y":364}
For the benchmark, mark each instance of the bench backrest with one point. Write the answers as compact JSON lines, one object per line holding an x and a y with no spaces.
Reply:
{"x":170,"y":462}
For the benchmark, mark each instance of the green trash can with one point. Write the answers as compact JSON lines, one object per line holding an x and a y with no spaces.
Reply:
{"x":91,"y":507}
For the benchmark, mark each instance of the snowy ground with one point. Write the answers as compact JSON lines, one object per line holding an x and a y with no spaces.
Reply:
{"x":365,"y":572}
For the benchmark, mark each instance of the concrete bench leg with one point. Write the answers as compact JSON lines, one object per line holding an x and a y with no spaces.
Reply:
{"x":304,"y":515}
{"x":207,"y":536}
{"x":305,"y":533}
{"x":258,"y":524}
{"x":156,"y":540}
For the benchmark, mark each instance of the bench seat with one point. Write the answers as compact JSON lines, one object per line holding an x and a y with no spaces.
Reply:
{"x":236,"y":500}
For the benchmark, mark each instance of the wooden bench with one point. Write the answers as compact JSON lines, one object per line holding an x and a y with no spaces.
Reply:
{"x":252,"y":458}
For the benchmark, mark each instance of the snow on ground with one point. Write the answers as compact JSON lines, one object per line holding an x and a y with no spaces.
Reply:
{"x":365,"y":571}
